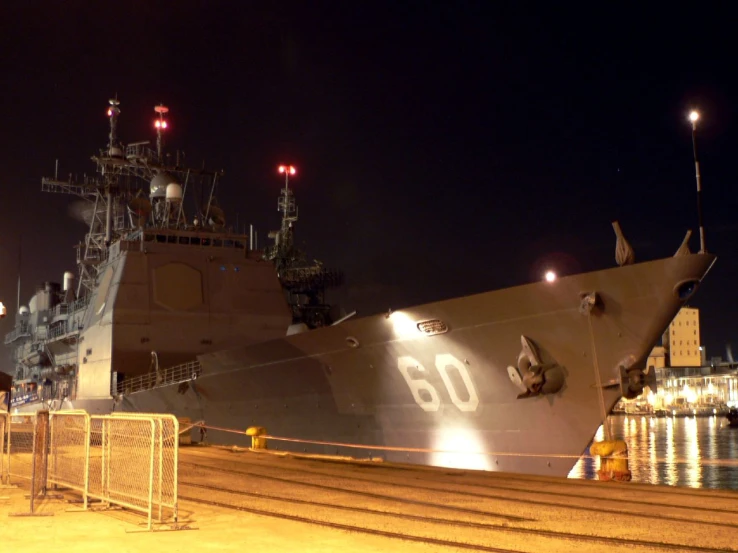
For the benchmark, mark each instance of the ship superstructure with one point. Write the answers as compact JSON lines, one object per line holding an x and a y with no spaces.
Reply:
{"x":156,"y":283}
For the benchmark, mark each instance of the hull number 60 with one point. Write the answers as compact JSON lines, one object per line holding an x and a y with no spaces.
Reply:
{"x":426,"y":395}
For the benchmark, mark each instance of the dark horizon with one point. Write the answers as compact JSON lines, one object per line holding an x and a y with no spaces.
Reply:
{"x":441,"y":150}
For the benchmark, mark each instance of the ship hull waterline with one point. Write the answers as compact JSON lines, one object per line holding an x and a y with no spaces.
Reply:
{"x":446,"y":399}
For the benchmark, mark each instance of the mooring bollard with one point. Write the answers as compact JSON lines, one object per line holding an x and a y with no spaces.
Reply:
{"x":613,"y":456}
{"x":257,"y":439}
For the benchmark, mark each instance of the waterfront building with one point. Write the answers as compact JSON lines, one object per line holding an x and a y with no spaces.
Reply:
{"x":686,"y":384}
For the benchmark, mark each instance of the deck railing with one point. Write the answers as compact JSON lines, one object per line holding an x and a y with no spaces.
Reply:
{"x":20,"y":331}
{"x":165,"y":377}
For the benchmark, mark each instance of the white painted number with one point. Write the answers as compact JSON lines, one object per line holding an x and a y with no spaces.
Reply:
{"x":443,"y":362}
{"x":430,"y":401}
{"x":405,"y":363}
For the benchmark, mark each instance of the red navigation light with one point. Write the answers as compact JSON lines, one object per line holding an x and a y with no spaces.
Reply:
{"x":157,"y":123}
{"x":282,"y":169}
{"x":292,"y":170}
{"x":110,"y":113}
{"x":163,"y":124}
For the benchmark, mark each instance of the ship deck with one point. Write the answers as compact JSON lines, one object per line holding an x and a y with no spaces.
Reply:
{"x":233,"y":498}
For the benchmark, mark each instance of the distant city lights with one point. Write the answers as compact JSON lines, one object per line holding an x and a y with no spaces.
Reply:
{"x":550,"y":276}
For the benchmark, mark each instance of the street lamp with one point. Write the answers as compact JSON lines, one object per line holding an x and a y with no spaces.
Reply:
{"x":694,"y":116}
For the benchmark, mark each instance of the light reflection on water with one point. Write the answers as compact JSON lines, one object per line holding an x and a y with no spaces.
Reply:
{"x":681,"y":451}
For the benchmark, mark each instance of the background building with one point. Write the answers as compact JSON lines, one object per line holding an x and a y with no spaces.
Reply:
{"x":686,"y":384}
{"x":682,"y":339}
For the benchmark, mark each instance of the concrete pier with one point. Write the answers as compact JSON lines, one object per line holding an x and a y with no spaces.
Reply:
{"x":232,"y":499}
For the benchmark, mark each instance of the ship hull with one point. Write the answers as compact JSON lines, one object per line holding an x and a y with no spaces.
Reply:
{"x":447,"y":399}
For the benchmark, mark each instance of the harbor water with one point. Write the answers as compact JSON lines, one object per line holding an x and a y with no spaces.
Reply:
{"x":698,"y":452}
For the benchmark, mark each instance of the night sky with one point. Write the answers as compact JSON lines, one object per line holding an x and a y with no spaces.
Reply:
{"x":441,"y":150}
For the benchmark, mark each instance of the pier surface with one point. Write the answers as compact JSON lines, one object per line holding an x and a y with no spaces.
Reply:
{"x":232,"y":499}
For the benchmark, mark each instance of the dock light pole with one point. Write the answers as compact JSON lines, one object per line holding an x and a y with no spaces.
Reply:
{"x":694,"y":116}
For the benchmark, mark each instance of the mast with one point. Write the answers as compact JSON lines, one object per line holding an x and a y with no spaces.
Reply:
{"x":133,"y":189}
{"x":160,"y":125}
{"x":113,"y":113}
{"x":18,"y":304}
{"x":113,"y":151}
{"x":304,"y":281}
{"x":287,"y":207}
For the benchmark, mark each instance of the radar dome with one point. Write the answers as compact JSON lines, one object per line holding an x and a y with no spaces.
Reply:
{"x":174,"y":192}
{"x":158,"y":186}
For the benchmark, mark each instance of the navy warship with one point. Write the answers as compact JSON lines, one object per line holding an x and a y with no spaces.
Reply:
{"x":178,"y":314}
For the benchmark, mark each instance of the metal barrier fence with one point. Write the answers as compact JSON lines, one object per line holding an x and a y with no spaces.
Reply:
{"x":69,"y":452}
{"x":20,"y":446}
{"x":28,"y":443}
{"x":126,"y":462}
{"x":166,"y":462}
{"x":133,"y":462}
{"x":127,"y":459}
{"x":40,"y":457}
{"x":4,"y":449}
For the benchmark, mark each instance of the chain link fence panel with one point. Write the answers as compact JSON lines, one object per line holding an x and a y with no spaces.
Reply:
{"x":40,"y":456}
{"x":130,"y":460}
{"x":20,"y":446}
{"x":4,"y":448}
{"x":28,"y":444}
{"x":126,"y":461}
{"x":69,"y":451}
{"x":166,"y":462}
